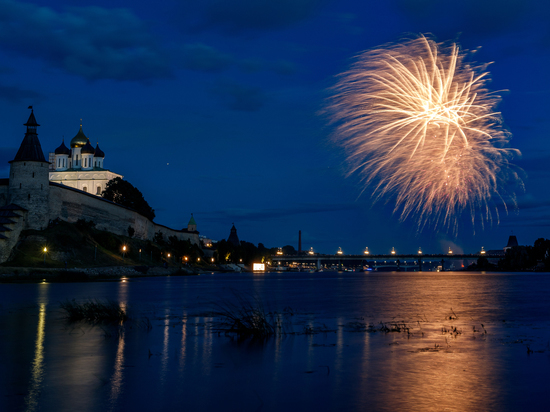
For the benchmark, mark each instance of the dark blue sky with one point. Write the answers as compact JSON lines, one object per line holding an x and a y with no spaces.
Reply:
{"x":211,"y":107}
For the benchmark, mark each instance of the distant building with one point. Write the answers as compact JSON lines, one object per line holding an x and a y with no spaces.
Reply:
{"x":81,"y":166}
{"x":192,"y":225}
{"x":233,"y":238}
{"x":206,"y":242}
{"x":512,"y":242}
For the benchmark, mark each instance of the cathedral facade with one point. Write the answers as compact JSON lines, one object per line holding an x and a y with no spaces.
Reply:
{"x":81,"y":166}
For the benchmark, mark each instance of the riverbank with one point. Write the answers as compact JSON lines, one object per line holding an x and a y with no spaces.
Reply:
{"x":37,"y":275}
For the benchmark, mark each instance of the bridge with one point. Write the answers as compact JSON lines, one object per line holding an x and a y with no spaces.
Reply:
{"x":376,"y":262}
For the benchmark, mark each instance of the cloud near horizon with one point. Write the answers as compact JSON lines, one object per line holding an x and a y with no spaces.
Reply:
{"x":239,"y":97}
{"x":239,"y":16}
{"x":92,"y":42}
{"x":270,"y":214}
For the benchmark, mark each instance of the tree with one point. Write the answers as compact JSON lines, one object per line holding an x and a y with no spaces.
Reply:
{"x":122,"y":192}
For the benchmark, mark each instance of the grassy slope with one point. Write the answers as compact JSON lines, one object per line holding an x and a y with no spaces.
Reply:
{"x":76,"y":245}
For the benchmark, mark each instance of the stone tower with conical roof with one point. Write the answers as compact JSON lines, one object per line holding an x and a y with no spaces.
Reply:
{"x":233,"y":238}
{"x":192,"y":225}
{"x":29,"y":178}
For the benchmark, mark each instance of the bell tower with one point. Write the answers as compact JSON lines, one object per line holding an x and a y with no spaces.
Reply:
{"x":29,"y":178}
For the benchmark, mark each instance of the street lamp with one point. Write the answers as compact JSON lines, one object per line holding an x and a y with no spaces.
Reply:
{"x":366,"y":252}
{"x":450,"y":251}
{"x":123,"y":252}
{"x":393,"y":251}
{"x":45,"y":251}
{"x":482,"y":251}
{"x":340,"y":251}
{"x":311,"y":252}
{"x":419,"y":251}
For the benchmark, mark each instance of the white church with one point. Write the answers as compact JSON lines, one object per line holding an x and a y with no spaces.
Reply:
{"x":81,"y":166}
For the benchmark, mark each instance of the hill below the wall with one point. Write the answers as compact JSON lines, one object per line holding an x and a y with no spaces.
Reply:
{"x":80,"y":245}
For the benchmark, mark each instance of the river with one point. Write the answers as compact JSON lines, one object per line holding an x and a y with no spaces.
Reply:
{"x":349,"y":341}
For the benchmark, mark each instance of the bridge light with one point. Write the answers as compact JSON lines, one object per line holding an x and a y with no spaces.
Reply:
{"x":367,"y":251}
{"x":482,"y":251}
{"x":393,"y":251}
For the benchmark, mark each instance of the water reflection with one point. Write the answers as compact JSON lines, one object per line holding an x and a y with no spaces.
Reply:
{"x":117,"y":378}
{"x":165,"y":344}
{"x":87,"y":369}
{"x":183,"y":343}
{"x":37,"y":375}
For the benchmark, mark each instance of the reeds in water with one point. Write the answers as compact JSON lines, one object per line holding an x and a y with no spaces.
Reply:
{"x":245,"y":318}
{"x":95,"y":311}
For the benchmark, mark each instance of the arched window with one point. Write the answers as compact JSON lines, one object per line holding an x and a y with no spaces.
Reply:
{"x":85,"y":189}
{"x":98,"y":192}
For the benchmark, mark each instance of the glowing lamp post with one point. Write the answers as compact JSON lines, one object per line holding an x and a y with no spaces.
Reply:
{"x":340,"y":251}
{"x":123,"y":252}
{"x":393,"y":251}
{"x":45,"y":251}
{"x":450,"y":251}
{"x":311,"y":252}
{"x":419,"y":251}
{"x":279,"y":251}
{"x":366,"y":252}
{"x":482,"y":251}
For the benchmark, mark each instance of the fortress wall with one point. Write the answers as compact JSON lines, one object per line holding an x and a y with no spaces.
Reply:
{"x":167,"y":232}
{"x":6,"y":245}
{"x":70,"y":205}
{"x":3,"y":194}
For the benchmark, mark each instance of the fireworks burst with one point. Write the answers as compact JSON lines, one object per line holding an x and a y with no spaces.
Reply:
{"x":419,"y":126}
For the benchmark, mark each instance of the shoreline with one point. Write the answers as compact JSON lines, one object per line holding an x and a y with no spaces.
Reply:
{"x":93,"y":274}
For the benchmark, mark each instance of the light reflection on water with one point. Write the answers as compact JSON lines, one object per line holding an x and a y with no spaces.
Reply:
{"x":37,"y":374}
{"x":52,"y":366}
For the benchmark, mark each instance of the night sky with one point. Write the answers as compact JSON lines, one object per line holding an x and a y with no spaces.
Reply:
{"x":211,"y":107}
